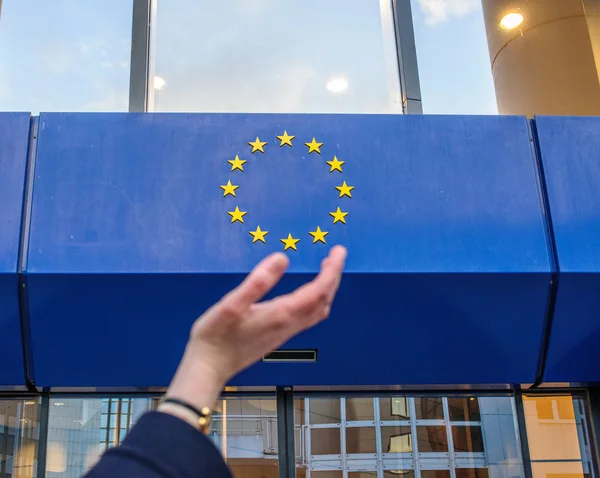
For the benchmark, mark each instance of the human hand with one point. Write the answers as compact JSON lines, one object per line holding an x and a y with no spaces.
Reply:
{"x":238,"y":330}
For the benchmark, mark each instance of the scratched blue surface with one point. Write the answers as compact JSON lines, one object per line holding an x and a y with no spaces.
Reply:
{"x":447,"y":276}
{"x":14,"y":137}
{"x":570,"y":152}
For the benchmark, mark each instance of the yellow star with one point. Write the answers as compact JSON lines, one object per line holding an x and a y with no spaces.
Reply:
{"x":257,"y":145}
{"x":318,"y":235}
{"x":237,"y":215}
{"x":285,"y":139}
{"x":237,"y":163}
{"x":339,"y":216}
{"x":290,"y":243}
{"x":345,"y":190}
{"x":335,"y":165}
{"x":314,"y":146}
{"x":258,"y":235}
{"x":229,"y":189}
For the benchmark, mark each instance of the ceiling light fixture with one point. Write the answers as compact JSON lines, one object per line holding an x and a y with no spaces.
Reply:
{"x":511,"y":20}
{"x":337,"y":85}
{"x":159,"y":83}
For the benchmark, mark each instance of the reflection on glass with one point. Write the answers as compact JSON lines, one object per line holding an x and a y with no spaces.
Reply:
{"x":465,"y":409}
{"x":406,"y":443}
{"x":359,"y":409}
{"x":19,"y":431}
{"x":271,"y":56}
{"x":325,"y":411}
{"x":325,"y":441}
{"x":245,"y":430}
{"x":399,"y":474}
{"x":80,"y":430}
{"x":472,"y":473}
{"x":432,"y":439}
{"x":299,"y":412}
{"x":360,"y":440}
{"x":435,"y":473}
{"x":429,"y":408}
{"x":327,"y":474}
{"x":362,"y":474}
{"x":558,"y":435}
{"x":74,"y":56}
{"x":573,"y":469}
{"x":467,"y":439}
{"x":396,"y":439}
{"x":454,"y":64}
{"x":394,"y":408}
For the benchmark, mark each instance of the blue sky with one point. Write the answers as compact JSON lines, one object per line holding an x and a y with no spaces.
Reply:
{"x":242,"y":55}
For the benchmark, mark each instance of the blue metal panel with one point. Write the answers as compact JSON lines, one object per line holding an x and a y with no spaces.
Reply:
{"x":130,"y":239}
{"x":14,"y":138}
{"x":570,"y":152}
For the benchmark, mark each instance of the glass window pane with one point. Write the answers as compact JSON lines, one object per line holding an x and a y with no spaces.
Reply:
{"x":360,"y":440}
{"x":394,"y":408}
{"x":358,"y":409}
{"x":325,"y":441}
{"x":429,"y":408}
{"x":325,"y":411}
{"x":245,"y":430}
{"x":362,"y":474}
{"x":74,"y":56}
{"x":435,"y":473}
{"x":465,"y":409}
{"x":557,"y":469}
{"x":497,"y":430}
{"x":79,"y":432}
{"x":432,"y":439}
{"x":467,"y":439}
{"x":454,"y":62}
{"x":399,"y":474}
{"x":544,"y":408}
{"x":19,"y":432}
{"x":565,"y":408}
{"x":396,"y":439}
{"x":299,"y":410}
{"x":265,"y":56}
{"x":552,"y":437}
{"x":326,"y":474}
{"x":472,"y":473}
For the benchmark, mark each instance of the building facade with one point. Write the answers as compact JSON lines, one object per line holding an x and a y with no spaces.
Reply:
{"x":486,"y":398}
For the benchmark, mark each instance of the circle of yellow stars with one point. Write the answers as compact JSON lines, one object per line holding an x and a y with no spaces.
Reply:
{"x":290,"y":242}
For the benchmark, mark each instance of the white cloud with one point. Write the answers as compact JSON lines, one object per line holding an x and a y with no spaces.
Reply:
{"x":439,"y":11}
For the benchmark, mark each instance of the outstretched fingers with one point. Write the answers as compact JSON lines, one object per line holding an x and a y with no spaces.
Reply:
{"x":321,"y":290}
{"x":310,"y":303}
{"x":258,"y":283}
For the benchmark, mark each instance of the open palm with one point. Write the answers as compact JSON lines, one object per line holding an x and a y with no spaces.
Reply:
{"x":238,"y":330}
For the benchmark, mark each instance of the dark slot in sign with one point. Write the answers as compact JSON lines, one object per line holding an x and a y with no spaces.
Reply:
{"x":291,"y":356}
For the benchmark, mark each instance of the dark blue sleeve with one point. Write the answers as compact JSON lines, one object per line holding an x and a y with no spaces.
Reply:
{"x":162,"y":446}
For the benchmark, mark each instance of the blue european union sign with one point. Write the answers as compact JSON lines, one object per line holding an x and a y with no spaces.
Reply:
{"x":14,"y":141}
{"x":140,"y":222}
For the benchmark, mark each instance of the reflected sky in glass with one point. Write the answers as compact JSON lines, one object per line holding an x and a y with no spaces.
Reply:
{"x":243,"y":55}
{"x":274,"y":56}
{"x":65,"y":55}
{"x":453,"y":57}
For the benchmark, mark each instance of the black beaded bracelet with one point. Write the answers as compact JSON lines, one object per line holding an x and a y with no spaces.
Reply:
{"x":203,"y":414}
